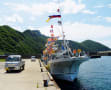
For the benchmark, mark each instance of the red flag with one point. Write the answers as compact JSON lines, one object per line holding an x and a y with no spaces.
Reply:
{"x":51,"y":26}
{"x":52,"y":35}
{"x":58,"y":10}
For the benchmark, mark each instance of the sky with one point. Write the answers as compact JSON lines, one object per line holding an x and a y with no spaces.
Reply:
{"x":82,"y":19}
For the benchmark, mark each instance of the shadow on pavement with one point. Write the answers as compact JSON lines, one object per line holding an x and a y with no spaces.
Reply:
{"x":14,"y":71}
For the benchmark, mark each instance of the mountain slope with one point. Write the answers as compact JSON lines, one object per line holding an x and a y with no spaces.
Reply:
{"x":26,"y":43}
{"x":9,"y":39}
{"x":94,"y":46}
{"x":87,"y":45}
{"x":76,"y":45}
{"x":33,"y":42}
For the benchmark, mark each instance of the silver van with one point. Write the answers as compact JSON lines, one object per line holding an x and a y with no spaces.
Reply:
{"x":14,"y":62}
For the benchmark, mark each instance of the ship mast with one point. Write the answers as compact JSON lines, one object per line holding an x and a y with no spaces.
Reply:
{"x":60,"y":23}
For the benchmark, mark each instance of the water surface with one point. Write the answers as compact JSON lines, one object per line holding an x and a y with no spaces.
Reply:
{"x":94,"y":74}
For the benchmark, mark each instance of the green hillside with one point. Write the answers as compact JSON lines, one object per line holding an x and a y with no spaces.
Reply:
{"x":88,"y":45}
{"x":32,"y":42}
{"x":94,"y":46}
{"x":10,"y":39}
{"x":76,"y":45}
{"x":26,"y":43}
{"x":35,"y":40}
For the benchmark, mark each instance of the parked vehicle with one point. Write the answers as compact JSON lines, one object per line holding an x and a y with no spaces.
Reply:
{"x":33,"y":58}
{"x":14,"y":62}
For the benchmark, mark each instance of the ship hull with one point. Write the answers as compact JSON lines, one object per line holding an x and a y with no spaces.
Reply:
{"x":67,"y":77}
{"x":66,"y":68}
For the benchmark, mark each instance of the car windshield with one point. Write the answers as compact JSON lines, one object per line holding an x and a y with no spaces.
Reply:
{"x":12,"y":59}
{"x":33,"y":57}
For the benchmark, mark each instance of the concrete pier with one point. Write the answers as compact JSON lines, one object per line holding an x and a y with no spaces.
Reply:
{"x":34,"y":77}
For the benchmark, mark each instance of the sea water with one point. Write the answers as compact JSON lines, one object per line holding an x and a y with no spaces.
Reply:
{"x":94,"y":74}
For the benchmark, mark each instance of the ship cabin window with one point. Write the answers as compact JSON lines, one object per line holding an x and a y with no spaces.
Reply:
{"x":66,"y":55}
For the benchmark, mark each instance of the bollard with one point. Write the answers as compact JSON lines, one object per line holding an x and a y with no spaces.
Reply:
{"x":45,"y":83}
{"x":37,"y":85}
{"x":41,"y":70}
{"x":40,"y":65}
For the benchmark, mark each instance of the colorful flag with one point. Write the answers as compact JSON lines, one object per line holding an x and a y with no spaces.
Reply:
{"x":74,"y":51}
{"x":49,"y":39}
{"x":51,"y":31}
{"x":79,"y":50}
{"x":52,"y":35}
{"x":62,"y":47}
{"x":48,"y":20}
{"x":55,"y":16}
{"x":58,"y":10}
{"x":51,"y":26}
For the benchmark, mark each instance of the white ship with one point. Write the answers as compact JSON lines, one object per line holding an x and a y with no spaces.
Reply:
{"x":59,"y":59}
{"x":63,"y":65}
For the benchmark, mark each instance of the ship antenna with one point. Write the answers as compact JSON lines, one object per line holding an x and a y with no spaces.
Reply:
{"x":60,"y":22}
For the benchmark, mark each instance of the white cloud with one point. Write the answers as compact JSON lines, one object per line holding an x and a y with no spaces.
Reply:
{"x":106,"y":42}
{"x":86,"y":31}
{"x":17,"y":28}
{"x":79,"y":1}
{"x":35,"y":9}
{"x":80,"y":31}
{"x":14,"y":18}
{"x":32,"y":27}
{"x":88,"y":12}
{"x":16,"y":6}
{"x":99,"y":6}
{"x":108,"y":19}
{"x":69,"y":6}
{"x":109,"y":5}
{"x":56,"y":1}
{"x":32,"y":18}
{"x":99,"y":17}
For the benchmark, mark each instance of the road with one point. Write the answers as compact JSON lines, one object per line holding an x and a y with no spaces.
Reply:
{"x":24,"y":80}
{"x":1,"y":65}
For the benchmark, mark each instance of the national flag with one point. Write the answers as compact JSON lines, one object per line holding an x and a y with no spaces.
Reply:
{"x":55,"y":16}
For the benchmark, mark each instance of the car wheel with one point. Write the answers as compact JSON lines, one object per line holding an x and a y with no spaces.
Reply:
{"x":7,"y":71}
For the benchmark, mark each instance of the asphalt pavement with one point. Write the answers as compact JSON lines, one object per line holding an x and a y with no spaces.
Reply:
{"x":27,"y":79}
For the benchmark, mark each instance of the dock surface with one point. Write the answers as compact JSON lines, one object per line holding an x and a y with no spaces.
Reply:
{"x":29,"y":79}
